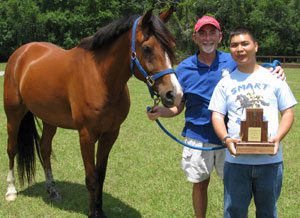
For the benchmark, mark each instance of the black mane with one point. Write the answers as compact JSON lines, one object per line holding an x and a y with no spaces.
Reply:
{"x":112,"y":31}
{"x":107,"y":34}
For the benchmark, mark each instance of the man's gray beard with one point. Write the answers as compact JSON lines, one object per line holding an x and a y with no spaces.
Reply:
{"x":208,"y":49}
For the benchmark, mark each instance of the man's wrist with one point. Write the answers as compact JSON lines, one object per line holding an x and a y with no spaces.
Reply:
{"x":224,"y":139}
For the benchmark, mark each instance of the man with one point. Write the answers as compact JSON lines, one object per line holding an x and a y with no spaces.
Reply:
{"x":248,"y":175}
{"x":198,"y":76}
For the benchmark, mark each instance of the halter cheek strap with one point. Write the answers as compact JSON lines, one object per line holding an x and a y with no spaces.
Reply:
{"x":150,"y":79}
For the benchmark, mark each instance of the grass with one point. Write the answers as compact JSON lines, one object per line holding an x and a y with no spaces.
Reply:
{"x":144,"y":178}
{"x":2,"y":66}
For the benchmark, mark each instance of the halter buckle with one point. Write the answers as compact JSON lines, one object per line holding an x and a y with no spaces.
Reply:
{"x":150,"y":81}
{"x":156,"y":101}
{"x":133,"y":55}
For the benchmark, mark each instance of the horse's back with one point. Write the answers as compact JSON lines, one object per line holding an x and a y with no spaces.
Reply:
{"x":36,"y":76}
{"x":29,"y":56}
{"x":33,"y":50}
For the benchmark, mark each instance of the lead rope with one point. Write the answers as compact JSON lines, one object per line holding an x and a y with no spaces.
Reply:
{"x":178,"y":140}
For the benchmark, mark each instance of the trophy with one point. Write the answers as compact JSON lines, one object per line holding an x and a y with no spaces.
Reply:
{"x":254,"y":131}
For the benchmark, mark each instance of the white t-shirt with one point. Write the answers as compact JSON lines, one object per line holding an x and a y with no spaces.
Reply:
{"x":238,"y":91}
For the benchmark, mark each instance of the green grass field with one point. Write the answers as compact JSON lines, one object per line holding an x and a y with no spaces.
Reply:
{"x":144,"y":178}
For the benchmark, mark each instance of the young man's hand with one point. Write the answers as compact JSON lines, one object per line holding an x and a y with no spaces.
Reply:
{"x":230,"y":143}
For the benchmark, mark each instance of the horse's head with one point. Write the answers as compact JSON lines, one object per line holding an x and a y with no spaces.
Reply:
{"x":153,"y":57}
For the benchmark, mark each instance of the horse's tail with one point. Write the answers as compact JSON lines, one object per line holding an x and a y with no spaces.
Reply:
{"x":28,"y":138}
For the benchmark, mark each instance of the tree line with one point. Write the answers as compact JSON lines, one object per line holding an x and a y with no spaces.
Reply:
{"x":275,"y":23}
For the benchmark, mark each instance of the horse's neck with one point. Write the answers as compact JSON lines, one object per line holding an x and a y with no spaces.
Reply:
{"x":114,"y":64}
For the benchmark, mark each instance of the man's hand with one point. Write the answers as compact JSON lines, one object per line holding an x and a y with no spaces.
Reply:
{"x":275,"y":68}
{"x":279,"y":71}
{"x":230,"y":143}
{"x":160,"y":111}
{"x":154,"y":113}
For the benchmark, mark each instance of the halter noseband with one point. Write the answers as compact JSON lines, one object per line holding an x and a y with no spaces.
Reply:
{"x":150,"y":79}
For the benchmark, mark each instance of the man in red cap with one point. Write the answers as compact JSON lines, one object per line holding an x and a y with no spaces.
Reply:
{"x":198,"y":76}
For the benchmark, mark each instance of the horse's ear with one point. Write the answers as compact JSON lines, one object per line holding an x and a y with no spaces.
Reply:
{"x":146,"y":22}
{"x":166,"y":15}
{"x":147,"y":18}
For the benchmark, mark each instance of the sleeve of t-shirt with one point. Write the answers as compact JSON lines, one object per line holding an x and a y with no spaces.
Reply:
{"x":218,"y":99}
{"x":285,"y":97}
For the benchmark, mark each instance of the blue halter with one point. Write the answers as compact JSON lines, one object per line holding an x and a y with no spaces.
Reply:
{"x":150,"y":79}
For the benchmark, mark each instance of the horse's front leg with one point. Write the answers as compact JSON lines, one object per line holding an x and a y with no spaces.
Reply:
{"x":87,"y":146}
{"x":46,"y":149}
{"x":105,"y":144}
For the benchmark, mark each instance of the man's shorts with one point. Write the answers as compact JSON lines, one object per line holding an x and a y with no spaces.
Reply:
{"x":198,"y":164}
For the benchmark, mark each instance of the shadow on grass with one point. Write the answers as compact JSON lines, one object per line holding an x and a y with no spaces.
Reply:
{"x":75,"y":199}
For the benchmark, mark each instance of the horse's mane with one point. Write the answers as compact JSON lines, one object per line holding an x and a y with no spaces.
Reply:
{"x":107,"y":34}
{"x":112,"y":31}
{"x":163,"y":35}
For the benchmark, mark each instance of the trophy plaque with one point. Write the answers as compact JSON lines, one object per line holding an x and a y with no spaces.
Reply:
{"x":254,"y":134}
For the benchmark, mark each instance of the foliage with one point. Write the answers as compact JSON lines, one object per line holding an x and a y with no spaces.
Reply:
{"x":275,"y":23}
{"x":21,"y":24}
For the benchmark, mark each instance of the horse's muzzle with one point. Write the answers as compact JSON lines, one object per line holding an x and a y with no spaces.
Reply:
{"x":171,"y":98}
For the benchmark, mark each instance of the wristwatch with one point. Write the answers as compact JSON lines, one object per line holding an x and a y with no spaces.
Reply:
{"x":224,"y":140}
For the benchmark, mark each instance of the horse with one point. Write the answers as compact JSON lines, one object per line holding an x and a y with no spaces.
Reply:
{"x":84,"y":89}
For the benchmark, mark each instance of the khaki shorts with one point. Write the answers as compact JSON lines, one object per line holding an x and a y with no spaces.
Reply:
{"x":198,"y":164}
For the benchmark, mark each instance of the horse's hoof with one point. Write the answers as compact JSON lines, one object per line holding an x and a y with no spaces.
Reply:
{"x":54,"y":196}
{"x":97,"y":214}
{"x":11,"y":196}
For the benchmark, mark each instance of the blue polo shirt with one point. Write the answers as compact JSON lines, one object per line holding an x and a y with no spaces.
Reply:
{"x":198,"y":81}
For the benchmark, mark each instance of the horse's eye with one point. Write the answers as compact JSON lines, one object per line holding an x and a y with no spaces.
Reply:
{"x":146,"y":50}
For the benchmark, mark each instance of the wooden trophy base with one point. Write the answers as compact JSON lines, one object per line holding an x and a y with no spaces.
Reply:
{"x":254,"y":148}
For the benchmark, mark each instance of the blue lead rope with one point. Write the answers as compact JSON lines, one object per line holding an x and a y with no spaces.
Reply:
{"x":182,"y":142}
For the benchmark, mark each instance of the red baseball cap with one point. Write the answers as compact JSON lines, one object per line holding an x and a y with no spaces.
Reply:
{"x":206,"y":20}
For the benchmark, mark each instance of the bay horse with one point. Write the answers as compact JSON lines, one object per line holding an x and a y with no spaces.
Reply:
{"x":85,"y":89}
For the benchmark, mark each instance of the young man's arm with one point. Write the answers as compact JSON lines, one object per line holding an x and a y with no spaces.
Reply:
{"x":287,"y":118}
{"x":221,"y":131}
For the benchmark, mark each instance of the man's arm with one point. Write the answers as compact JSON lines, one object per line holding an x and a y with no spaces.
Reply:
{"x":287,"y":119}
{"x":221,"y":131}
{"x":159,"y":111}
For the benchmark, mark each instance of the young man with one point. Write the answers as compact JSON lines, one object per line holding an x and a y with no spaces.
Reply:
{"x":245,"y":176}
{"x":198,"y":75}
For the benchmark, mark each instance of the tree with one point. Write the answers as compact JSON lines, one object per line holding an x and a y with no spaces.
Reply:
{"x":276,"y":23}
{"x":21,"y":24}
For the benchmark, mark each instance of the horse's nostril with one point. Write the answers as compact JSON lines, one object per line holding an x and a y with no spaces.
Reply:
{"x":168,"y":100}
{"x":170,"y":95}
